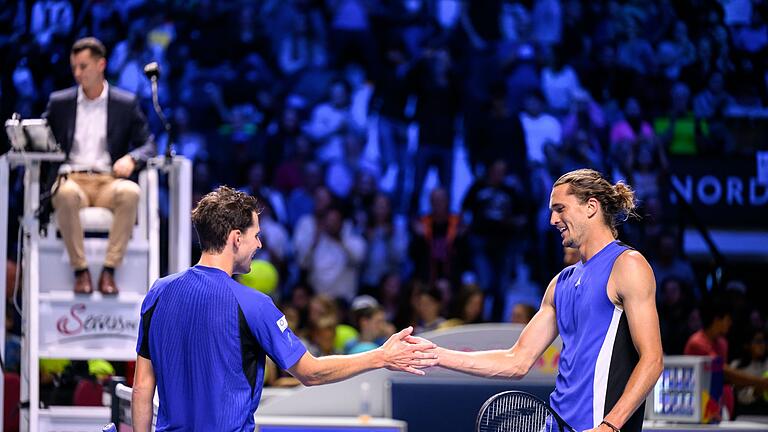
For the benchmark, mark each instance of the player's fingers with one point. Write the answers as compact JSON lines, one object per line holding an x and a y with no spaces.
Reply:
{"x":414,"y":371}
{"x":405,"y":332}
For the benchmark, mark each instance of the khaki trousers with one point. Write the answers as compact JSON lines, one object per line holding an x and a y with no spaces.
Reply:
{"x":81,"y":190}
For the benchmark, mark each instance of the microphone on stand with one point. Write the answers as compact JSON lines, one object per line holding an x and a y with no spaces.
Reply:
{"x":152,"y":72}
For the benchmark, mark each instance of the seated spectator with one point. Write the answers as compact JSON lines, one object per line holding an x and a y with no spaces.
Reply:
{"x":437,"y":91}
{"x":428,"y":310}
{"x":436,"y":237}
{"x":636,"y":53}
{"x":559,"y":81}
{"x":584,"y":114}
{"x":711,"y":341}
{"x":301,"y":200}
{"x":753,"y":361}
{"x":308,"y":224}
{"x":676,"y":53}
{"x":522,"y":313}
{"x":371,"y":322}
{"x":330,"y":120}
{"x":333,"y":257}
{"x":497,"y":215}
{"x":322,"y":335}
{"x":258,"y":187}
{"x":467,"y":307}
{"x":668,"y":263}
{"x":680,"y":131}
{"x":707,"y":103}
{"x":540,"y":128}
{"x":632,"y":127}
{"x":387,"y":243}
{"x":674,"y":308}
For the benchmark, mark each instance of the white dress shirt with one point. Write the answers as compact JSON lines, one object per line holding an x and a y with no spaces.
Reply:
{"x":89,"y":147}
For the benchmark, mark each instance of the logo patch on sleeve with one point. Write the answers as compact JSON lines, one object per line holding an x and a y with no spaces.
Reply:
{"x":282,"y":324}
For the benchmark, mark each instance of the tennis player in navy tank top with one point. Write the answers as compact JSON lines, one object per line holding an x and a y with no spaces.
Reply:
{"x":603,"y":308}
{"x":204,"y":337}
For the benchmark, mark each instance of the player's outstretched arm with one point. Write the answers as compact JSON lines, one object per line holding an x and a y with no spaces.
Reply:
{"x":636,"y":287}
{"x":396,"y":354}
{"x":514,"y":362}
{"x":143,"y":392}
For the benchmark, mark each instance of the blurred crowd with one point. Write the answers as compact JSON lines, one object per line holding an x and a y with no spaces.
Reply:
{"x":405,"y":150}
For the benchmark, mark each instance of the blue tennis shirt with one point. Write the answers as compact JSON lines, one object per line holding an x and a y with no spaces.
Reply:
{"x":208,"y":337}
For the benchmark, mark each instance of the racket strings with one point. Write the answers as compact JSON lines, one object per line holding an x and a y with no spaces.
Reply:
{"x":516,"y":413}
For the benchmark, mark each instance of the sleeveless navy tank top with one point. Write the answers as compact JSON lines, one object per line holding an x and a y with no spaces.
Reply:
{"x":598,"y":355}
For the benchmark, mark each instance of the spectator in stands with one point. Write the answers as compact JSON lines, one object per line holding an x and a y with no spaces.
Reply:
{"x":680,"y":131}
{"x":540,"y":129}
{"x":559,"y":81}
{"x":501,"y":137}
{"x":467,"y":307}
{"x":667,"y":262}
{"x":437,"y":91}
{"x":497,"y":215}
{"x":674,"y":308}
{"x":330,"y":120}
{"x":308,"y":224}
{"x":301,"y":48}
{"x":522,"y":313}
{"x":350,"y":33}
{"x":391,"y":97}
{"x":387,"y":243}
{"x":711,"y":341}
{"x":436,"y":240}
{"x":51,"y":20}
{"x":258,"y":187}
{"x":632,"y":127}
{"x":429,"y":310}
{"x":712,"y":99}
{"x":636,"y":53}
{"x":371,"y":322}
{"x":753,"y":361}
{"x":676,"y":53}
{"x":301,"y":202}
{"x":584,"y":114}
{"x":334,"y":256}
{"x":106,"y":139}
{"x":322,"y":335}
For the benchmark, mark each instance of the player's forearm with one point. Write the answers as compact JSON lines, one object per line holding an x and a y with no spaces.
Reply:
{"x":330,"y":369}
{"x":640,"y":383}
{"x":142,"y":409}
{"x":741,"y":378}
{"x":489,"y":364}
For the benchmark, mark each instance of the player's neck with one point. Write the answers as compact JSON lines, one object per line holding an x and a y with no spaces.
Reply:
{"x":594,"y":243}
{"x":220,"y":261}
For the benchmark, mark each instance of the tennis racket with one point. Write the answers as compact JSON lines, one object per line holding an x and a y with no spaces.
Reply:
{"x":516,"y":411}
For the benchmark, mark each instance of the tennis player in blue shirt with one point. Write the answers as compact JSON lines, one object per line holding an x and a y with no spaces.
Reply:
{"x":204,"y":337}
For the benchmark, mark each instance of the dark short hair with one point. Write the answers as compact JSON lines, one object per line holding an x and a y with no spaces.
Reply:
{"x":220,"y":212}
{"x":90,"y":43}
{"x":713,"y":307}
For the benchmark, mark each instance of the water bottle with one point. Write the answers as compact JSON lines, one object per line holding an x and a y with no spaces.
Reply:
{"x":365,"y":402}
{"x":109,"y":428}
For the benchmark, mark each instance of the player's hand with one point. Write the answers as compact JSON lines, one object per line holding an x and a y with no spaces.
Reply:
{"x":124,"y":166}
{"x":420,"y":340}
{"x":401,"y":355}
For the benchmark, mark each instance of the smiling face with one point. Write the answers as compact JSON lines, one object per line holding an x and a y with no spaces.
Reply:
{"x":569,"y":216}
{"x":246,"y":244}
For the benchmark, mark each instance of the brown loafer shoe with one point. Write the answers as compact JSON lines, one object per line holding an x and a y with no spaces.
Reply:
{"x":107,"y":284}
{"x":83,"y":283}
